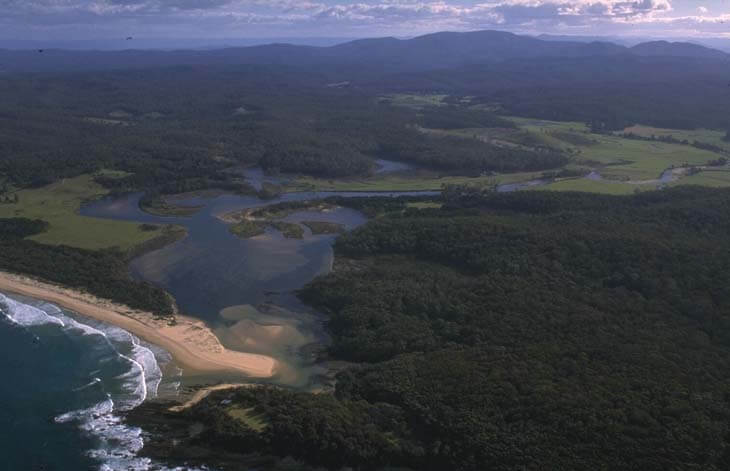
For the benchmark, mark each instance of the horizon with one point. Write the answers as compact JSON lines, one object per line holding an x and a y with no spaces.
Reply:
{"x":261,"y":20}
{"x":202,"y":43}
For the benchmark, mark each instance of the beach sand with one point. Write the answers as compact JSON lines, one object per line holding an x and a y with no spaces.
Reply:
{"x":191,"y":343}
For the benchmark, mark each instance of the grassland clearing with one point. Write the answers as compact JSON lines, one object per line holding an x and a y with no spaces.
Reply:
{"x":614,"y":157}
{"x":710,"y":178}
{"x":414,"y":100}
{"x":424,"y":205}
{"x":249,"y":417}
{"x":594,"y":186}
{"x":59,"y":203}
{"x":705,"y":136}
{"x":417,"y":181}
{"x":628,"y":159}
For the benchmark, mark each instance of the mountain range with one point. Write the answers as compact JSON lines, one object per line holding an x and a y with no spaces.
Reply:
{"x":423,"y":53}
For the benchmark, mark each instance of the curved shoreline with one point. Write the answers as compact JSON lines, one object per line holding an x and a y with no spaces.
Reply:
{"x":191,"y":343}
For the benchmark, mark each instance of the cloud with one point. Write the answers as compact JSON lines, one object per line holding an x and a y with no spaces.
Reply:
{"x":211,"y":18}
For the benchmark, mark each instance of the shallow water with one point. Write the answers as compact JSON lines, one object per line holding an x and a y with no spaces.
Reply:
{"x":213,"y":270}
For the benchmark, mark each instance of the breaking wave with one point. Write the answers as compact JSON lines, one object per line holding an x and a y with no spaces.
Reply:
{"x":118,"y":373}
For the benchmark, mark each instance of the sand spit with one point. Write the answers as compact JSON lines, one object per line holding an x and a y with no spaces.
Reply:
{"x":191,"y":343}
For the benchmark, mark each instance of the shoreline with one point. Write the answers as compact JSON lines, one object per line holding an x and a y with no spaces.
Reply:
{"x":192,"y":344}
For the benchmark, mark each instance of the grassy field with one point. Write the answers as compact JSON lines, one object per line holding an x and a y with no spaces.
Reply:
{"x":641,"y":160}
{"x":615,"y":158}
{"x":249,"y":417}
{"x":707,"y":136}
{"x":593,"y":186}
{"x":424,"y":205}
{"x":59,"y":203}
{"x":619,"y":158}
{"x":424,"y":181}
{"x":713,"y":178}
{"x":414,"y":100}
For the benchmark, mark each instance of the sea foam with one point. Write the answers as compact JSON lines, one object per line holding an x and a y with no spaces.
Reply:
{"x":138,"y":376}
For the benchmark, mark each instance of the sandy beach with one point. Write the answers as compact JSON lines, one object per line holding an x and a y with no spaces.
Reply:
{"x":192,"y":344}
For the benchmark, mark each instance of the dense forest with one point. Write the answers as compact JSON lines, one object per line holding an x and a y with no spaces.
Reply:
{"x":189,"y":127}
{"x":183,"y":129}
{"x":532,"y":330}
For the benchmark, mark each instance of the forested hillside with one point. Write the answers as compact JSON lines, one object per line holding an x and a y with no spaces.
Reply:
{"x":176,"y":130}
{"x":533,"y":330}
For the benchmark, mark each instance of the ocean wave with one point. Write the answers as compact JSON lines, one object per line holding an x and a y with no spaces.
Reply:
{"x":26,"y":315}
{"x":127,"y":371}
{"x":103,"y":408}
{"x":93,"y":382}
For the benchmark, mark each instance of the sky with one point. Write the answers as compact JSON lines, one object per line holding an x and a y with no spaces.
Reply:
{"x":109,"y":19}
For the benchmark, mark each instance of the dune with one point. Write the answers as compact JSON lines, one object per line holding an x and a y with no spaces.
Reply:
{"x":191,"y":342}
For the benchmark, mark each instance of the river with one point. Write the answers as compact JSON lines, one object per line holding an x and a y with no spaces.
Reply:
{"x":244,"y":288}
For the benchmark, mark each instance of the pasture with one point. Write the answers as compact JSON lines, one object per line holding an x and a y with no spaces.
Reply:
{"x":59,"y":203}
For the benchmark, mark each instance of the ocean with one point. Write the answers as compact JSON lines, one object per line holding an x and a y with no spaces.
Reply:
{"x":64,"y":379}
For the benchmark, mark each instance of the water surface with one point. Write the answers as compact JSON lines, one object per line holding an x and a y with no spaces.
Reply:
{"x":64,"y":378}
{"x":213,"y":271}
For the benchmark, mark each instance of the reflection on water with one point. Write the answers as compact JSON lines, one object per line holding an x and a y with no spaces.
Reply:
{"x":243,"y":288}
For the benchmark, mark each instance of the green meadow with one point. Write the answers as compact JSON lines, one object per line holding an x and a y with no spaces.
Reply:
{"x":710,"y":178}
{"x":594,"y":186}
{"x":418,"y":181}
{"x":617,"y":159}
{"x":59,"y":203}
{"x":706,"y":136}
{"x":414,"y":100}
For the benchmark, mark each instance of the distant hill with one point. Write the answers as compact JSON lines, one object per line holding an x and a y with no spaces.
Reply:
{"x":142,"y":43}
{"x":677,"y":49}
{"x":620,"y":40}
{"x":441,"y":50}
{"x":379,"y":55}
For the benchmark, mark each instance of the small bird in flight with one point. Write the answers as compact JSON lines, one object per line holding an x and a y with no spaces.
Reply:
{"x":129,"y":38}
{"x":40,"y":50}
